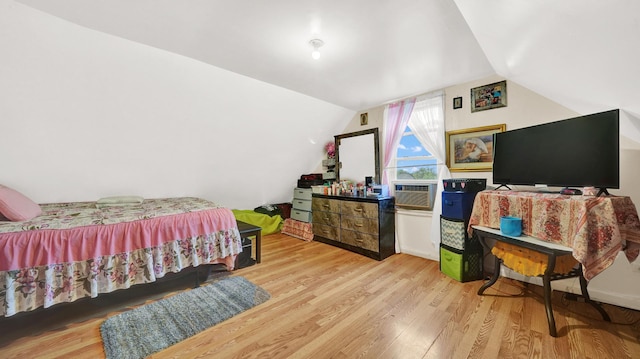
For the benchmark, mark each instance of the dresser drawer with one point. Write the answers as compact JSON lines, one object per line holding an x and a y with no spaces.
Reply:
{"x":359,"y":209}
{"x":301,"y":204}
{"x":298,"y":215}
{"x":302,"y":193}
{"x":326,"y":205}
{"x":326,"y":231}
{"x":326,"y":218}
{"x":361,"y":240}
{"x":360,"y":224}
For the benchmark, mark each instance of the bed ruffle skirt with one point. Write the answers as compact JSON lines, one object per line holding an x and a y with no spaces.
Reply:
{"x":43,"y":286}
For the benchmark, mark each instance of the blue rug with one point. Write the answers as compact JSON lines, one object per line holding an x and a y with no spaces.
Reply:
{"x":145,"y":330}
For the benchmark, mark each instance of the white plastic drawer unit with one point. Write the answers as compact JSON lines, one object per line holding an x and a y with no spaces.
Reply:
{"x":301,"y":204}
{"x":298,"y":215}
{"x":302,"y":193}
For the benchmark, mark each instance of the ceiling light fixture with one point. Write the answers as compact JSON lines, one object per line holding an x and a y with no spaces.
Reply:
{"x":316,"y":44}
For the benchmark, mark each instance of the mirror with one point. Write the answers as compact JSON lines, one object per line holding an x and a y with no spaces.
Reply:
{"x":358,"y":156}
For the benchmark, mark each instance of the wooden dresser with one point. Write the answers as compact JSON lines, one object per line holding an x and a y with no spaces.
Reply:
{"x":359,"y":224}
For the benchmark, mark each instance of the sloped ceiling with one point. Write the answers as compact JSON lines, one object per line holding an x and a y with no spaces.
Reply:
{"x":374,"y":52}
{"x":580,"y":53}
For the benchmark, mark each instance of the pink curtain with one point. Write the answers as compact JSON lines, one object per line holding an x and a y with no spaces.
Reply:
{"x":396,"y":121}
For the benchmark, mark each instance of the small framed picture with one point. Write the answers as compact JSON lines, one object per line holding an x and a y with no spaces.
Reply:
{"x":457,"y":102}
{"x":364,"y":119}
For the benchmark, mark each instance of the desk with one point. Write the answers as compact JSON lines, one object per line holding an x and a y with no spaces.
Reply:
{"x":552,"y":251}
{"x":595,"y":228}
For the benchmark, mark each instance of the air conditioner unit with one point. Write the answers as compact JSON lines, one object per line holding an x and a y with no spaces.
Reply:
{"x":415,"y":196}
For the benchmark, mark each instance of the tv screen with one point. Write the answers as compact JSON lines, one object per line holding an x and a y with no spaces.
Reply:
{"x":578,"y":152}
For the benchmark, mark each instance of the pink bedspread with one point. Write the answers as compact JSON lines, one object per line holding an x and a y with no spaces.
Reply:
{"x":74,"y":250}
{"x":597,"y":228}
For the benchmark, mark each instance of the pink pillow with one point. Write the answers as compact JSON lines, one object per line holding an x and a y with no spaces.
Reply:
{"x":16,"y":207}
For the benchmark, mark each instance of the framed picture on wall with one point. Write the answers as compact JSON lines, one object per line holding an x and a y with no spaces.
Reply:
{"x":364,"y":119}
{"x":471,"y":149}
{"x":457,"y":102}
{"x":489,"y":96}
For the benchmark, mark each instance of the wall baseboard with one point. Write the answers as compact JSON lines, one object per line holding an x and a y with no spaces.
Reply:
{"x":420,"y":254}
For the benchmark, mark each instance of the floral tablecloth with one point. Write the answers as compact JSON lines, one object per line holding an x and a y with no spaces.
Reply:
{"x":596,"y":228}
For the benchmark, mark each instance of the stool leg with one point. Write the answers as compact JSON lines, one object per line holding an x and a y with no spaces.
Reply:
{"x":258,"y":246}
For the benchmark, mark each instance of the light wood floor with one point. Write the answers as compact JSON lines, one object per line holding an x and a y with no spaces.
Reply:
{"x":330,"y":303}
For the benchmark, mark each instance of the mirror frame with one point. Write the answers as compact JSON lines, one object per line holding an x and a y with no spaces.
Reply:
{"x":376,"y":150}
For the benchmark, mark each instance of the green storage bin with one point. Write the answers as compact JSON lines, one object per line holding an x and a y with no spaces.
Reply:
{"x":463,"y":266}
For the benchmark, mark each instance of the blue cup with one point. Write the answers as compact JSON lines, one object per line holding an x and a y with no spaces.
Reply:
{"x":511,"y":226}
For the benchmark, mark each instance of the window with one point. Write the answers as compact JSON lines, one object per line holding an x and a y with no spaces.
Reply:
{"x":413,"y":161}
{"x":414,"y":133}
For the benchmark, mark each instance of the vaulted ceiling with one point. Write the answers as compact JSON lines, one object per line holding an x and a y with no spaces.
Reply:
{"x":580,"y":53}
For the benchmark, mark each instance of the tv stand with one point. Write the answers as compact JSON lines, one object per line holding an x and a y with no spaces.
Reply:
{"x":602,"y":191}
{"x":564,"y":225}
{"x":552,"y":251}
{"x":503,"y":185}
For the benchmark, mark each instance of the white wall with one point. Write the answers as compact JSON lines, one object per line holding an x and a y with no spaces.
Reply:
{"x":85,"y":115}
{"x":413,"y":234}
{"x":525,"y":108}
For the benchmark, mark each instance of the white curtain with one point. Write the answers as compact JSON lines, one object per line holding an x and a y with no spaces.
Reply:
{"x":396,"y":116}
{"x":427,"y":124}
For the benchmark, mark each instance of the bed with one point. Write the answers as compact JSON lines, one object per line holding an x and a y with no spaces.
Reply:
{"x":82,"y":249}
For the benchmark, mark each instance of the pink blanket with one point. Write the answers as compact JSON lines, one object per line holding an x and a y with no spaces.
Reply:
{"x":76,"y":249}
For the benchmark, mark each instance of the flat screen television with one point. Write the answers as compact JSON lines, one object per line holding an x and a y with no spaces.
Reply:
{"x":578,"y":152}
